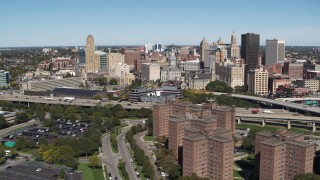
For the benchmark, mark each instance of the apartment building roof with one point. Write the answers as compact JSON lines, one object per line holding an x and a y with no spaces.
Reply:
{"x":178,"y":119}
{"x":195,"y":137}
{"x":220,"y":139}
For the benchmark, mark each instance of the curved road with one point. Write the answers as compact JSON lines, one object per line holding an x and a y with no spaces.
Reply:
{"x":124,"y":151}
{"x":109,"y":158}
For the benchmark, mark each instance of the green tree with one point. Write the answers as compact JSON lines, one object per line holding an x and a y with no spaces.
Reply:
{"x":193,"y":177}
{"x":62,"y":174}
{"x":218,"y":86}
{"x":307,"y":176}
{"x":94,"y":161}
{"x":22,"y":117}
{"x":249,"y":142}
{"x":175,"y":171}
{"x":3,"y":122}
{"x":24,"y":143}
{"x":113,"y":81}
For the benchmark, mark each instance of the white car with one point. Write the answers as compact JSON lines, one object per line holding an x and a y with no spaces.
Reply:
{"x":163,"y":174}
{"x":38,"y":170}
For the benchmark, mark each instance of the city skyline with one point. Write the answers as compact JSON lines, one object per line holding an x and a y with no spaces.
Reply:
{"x":47,"y":23}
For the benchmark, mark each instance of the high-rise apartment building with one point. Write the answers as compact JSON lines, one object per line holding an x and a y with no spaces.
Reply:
{"x":92,"y":65}
{"x":199,"y":136}
{"x":161,"y":114}
{"x":250,"y":44}
{"x":275,"y":51}
{"x":282,"y":155}
{"x":258,"y":81}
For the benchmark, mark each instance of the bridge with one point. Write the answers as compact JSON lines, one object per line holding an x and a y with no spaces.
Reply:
{"x":286,"y":104}
{"x":285,"y":120}
{"x":77,"y":102}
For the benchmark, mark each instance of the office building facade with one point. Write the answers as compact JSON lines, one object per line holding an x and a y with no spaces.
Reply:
{"x":4,"y":78}
{"x":250,"y":45}
{"x":275,"y":51}
{"x":150,"y":72}
{"x":92,"y":63}
{"x":258,"y":81}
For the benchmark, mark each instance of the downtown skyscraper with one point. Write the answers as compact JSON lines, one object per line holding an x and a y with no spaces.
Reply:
{"x":250,"y":45}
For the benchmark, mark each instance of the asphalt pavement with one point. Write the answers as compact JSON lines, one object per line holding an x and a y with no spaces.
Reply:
{"x":125,"y":154}
{"x":109,"y":158}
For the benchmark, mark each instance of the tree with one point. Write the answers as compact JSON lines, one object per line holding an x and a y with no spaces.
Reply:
{"x":94,"y":161}
{"x":62,"y":174}
{"x":22,"y":117}
{"x":3,"y":122}
{"x":218,"y":86}
{"x":175,"y":171}
{"x":307,"y":176}
{"x":249,"y":142}
{"x":25,"y":143}
{"x":192,"y":177}
{"x":113,"y":81}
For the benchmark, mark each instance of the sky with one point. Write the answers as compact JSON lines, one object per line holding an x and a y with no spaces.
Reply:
{"x":26,"y":23}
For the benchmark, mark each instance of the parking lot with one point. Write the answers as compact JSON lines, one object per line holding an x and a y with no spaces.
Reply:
{"x":37,"y":171}
{"x":63,"y":128}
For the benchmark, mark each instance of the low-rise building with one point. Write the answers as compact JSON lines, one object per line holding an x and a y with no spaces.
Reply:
{"x":197,"y":81}
{"x":4,"y":78}
{"x":170,"y":73}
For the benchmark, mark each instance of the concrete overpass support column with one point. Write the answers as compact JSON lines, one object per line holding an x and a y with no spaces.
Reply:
{"x":28,"y":104}
{"x":238,"y":120}
{"x":263,"y":123}
{"x":314,"y":127}
{"x":289,"y":125}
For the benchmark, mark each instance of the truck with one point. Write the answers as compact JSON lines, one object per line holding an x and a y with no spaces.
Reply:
{"x":69,"y":98}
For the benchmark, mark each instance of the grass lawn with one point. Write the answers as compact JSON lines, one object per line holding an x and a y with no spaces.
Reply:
{"x":274,"y":128}
{"x":238,"y":174}
{"x":148,"y":138}
{"x":33,"y":152}
{"x":90,"y":173}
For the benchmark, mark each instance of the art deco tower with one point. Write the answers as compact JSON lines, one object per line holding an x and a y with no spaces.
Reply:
{"x":235,"y":51}
{"x":204,"y":46}
{"x":90,"y":60}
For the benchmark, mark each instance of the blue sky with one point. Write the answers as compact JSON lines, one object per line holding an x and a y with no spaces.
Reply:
{"x":136,"y":22}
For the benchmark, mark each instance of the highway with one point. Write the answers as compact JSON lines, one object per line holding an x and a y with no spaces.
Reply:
{"x":271,"y":101}
{"x":76,"y":102}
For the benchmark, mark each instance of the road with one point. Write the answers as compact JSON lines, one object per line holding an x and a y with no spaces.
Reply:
{"x":124,"y":151}
{"x":109,"y":158}
{"x":147,"y":151}
{"x":76,"y":102}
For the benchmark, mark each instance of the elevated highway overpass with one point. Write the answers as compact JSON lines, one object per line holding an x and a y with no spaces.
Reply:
{"x":286,"y":104}
{"x":77,"y":102}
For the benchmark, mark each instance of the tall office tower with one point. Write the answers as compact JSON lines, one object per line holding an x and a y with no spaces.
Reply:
{"x":91,"y":64}
{"x":204,"y":46}
{"x":250,"y":44}
{"x":275,"y":51}
{"x":4,"y":78}
{"x":161,"y":113}
{"x":282,"y":155}
{"x":235,"y":51}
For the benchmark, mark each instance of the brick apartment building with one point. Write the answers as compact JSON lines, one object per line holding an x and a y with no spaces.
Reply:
{"x":201,"y":137}
{"x":282,"y":155}
{"x":293,"y":70}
